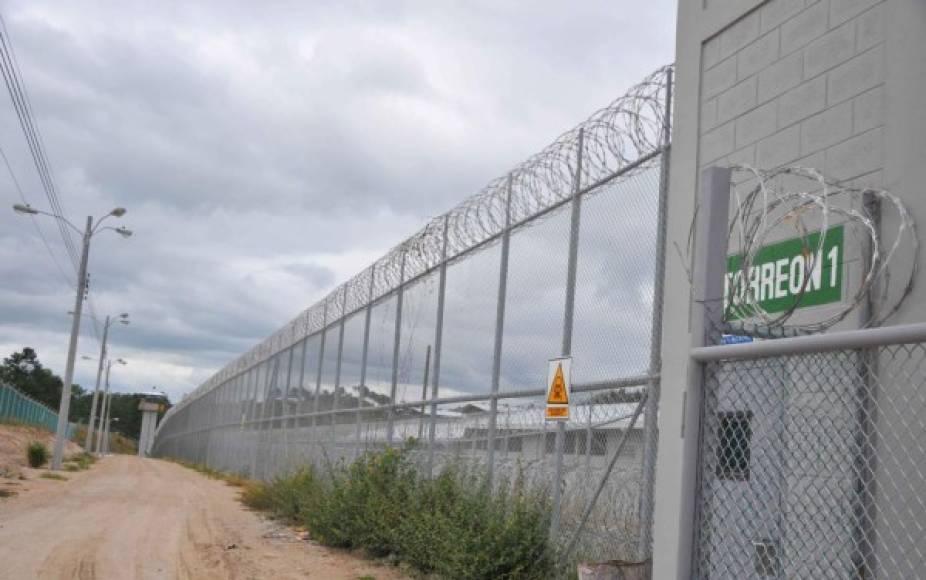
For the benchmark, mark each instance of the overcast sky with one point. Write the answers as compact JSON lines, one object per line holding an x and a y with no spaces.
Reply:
{"x":268,"y":151}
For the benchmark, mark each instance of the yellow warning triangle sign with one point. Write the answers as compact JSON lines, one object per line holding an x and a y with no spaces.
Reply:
{"x":557,"y":394}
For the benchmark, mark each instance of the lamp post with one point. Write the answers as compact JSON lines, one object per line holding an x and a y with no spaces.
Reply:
{"x":86,"y":235}
{"x":123,"y":319}
{"x":106,"y":441}
{"x":107,"y":403}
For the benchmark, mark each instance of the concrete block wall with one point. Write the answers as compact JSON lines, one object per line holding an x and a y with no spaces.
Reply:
{"x":837,"y":85}
{"x":797,"y":82}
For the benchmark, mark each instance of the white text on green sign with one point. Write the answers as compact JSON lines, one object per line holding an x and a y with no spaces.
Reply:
{"x":794,"y":273}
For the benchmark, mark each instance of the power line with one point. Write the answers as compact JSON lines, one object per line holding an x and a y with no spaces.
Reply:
{"x":35,"y":223}
{"x":12,"y":77}
{"x":21,"y":103}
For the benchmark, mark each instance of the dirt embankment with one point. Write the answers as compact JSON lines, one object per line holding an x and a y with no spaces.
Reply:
{"x":13,"y":442}
{"x":128,"y":517}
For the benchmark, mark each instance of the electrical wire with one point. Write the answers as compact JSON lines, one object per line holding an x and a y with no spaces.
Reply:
{"x":12,"y":77}
{"x":35,"y":223}
{"x":22,"y":105}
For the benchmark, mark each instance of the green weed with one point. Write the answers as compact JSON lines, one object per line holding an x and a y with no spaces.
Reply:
{"x":79,"y":462}
{"x":452,"y":525}
{"x":36,"y":454}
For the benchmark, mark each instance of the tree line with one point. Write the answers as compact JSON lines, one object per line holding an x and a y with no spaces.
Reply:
{"x":24,"y":372}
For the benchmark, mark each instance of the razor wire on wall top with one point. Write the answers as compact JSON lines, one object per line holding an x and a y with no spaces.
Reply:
{"x":615,"y":142}
{"x":801,"y":201}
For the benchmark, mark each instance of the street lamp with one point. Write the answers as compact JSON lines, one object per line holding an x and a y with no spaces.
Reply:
{"x":107,"y":403}
{"x":86,"y":235}
{"x":123,"y":319}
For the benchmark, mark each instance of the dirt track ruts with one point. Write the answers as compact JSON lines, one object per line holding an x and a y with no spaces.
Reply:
{"x":148,"y":519}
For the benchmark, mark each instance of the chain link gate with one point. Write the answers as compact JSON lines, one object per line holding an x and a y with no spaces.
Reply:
{"x":811,"y":452}
{"x":812,"y":465}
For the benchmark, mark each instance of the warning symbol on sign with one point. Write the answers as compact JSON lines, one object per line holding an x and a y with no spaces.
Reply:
{"x":558,"y":395}
{"x":558,"y":389}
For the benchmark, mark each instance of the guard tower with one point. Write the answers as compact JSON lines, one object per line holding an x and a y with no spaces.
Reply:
{"x":150,"y":405}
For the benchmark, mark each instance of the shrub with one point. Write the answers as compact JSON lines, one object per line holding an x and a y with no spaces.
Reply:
{"x":37,"y":454}
{"x":451,"y":525}
{"x":286,"y":497}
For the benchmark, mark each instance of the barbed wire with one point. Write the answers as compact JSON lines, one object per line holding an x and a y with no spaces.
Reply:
{"x":791,"y":200}
{"x":629,"y":131}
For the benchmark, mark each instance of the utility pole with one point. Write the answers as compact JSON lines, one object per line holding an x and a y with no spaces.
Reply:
{"x":124,"y":319}
{"x":104,"y":411}
{"x":96,"y":389}
{"x":65,"y":406}
{"x":102,"y":440}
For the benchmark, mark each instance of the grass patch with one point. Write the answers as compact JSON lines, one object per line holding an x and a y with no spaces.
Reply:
{"x":37,"y":454}
{"x":4,"y":493}
{"x":452,"y":525}
{"x":80,"y":462}
{"x":232,"y":479}
{"x":53,"y":476}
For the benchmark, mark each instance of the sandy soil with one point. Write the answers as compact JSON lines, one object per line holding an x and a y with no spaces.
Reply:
{"x":143,"y":518}
{"x":13,"y":442}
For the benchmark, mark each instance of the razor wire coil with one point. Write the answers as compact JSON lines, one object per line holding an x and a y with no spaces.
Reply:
{"x":792,"y":196}
{"x":614,"y":141}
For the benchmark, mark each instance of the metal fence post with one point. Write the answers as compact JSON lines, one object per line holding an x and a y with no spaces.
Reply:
{"x":284,"y":399}
{"x":424,"y":391}
{"x":253,"y":380}
{"x":438,"y":347}
{"x":273,"y":367}
{"x":293,"y":422}
{"x":318,"y":374}
{"x":390,"y":421}
{"x":867,"y":395}
{"x":589,"y":435}
{"x":363,"y":356}
{"x":710,"y":250}
{"x":569,"y":311}
{"x":337,"y":371}
{"x":650,"y":427}
{"x":499,"y":336}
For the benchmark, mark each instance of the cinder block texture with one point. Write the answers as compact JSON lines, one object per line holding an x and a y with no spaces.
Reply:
{"x":796,"y":80}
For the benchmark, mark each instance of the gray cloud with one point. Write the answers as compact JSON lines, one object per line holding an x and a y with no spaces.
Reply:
{"x":267,"y":153}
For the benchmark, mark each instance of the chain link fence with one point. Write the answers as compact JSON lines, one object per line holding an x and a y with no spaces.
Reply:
{"x":19,"y":407}
{"x":812,"y":465}
{"x":443,"y":344}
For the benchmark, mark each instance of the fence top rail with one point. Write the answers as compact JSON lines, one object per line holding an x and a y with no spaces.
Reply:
{"x":23,"y":395}
{"x":824,"y":342}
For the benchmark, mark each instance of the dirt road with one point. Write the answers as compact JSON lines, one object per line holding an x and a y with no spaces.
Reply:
{"x":148,"y":519}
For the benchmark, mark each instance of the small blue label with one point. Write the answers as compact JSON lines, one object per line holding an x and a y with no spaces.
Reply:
{"x":735,"y":339}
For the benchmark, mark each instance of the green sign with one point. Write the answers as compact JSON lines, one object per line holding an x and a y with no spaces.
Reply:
{"x":785,"y":274}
